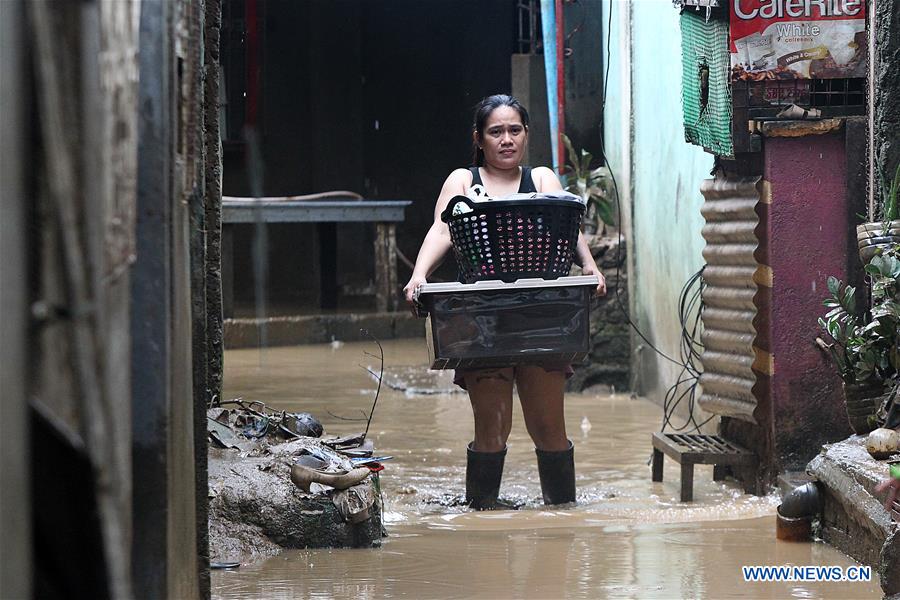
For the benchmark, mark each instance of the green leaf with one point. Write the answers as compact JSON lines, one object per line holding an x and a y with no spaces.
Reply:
{"x":604,"y":211}
{"x":573,"y":156}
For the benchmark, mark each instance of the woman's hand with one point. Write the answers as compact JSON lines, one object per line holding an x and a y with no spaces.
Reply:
{"x":892,"y":487}
{"x":591,"y":269}
{"x":409,"y":291}
{"x":584,"y":258}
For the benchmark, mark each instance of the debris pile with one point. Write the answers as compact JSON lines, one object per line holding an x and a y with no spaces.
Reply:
{"x":275,"y":481}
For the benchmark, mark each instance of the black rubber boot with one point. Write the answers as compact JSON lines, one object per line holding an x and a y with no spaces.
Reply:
{"x":557,"y":472}
{"x":483,"y":473}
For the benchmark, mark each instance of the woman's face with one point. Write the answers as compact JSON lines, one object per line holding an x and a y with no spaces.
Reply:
{"x":503,"y":139}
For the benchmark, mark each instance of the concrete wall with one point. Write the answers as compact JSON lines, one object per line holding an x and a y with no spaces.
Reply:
{"x":665,"y":173}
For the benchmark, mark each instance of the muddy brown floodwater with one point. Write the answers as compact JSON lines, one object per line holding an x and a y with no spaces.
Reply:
{"x":627,"y":538}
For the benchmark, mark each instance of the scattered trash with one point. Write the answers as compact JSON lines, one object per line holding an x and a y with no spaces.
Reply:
{"x":303,"y":424}
{"x":348,"y":441}
{"x":585,"y":426}
{"x":223,"y":436}
{"x":256,"y":420}
{"x":337,"y":465}
{"x":302,"y":476}
{"x":882,"y":443}
{"x":354,"y":503}
{"x":798,"y":112}
{"x":370,"y":460}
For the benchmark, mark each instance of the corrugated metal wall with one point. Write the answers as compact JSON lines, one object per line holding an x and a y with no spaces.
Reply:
{"x":732,"y":273}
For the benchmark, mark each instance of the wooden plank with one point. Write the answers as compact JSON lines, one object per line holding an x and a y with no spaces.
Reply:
{"x":309,"y":211}
{"x":719,"y":472}
{"x":657,"y":469}
{"x":687,"y":482}
{"x":386,"y":287}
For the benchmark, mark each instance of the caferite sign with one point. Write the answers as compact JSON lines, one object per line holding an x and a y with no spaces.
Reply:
{"x":797,"y":39}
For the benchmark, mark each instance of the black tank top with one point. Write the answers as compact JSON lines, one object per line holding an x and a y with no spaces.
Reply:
{"x":526,"y":185}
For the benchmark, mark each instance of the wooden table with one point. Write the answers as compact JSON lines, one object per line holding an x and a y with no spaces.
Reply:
{"x":384,"y":213}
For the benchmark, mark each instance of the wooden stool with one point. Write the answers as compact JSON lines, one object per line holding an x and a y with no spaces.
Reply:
{"x":695,"y":449}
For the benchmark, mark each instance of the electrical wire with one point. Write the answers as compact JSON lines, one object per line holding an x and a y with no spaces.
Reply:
{"x":690,"y":302}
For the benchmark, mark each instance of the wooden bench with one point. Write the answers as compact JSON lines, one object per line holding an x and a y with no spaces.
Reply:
{"x":695,"y":449}
{"x":383,"y":213}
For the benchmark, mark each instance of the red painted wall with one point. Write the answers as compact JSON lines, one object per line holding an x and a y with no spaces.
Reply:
{"x":809,"y":224}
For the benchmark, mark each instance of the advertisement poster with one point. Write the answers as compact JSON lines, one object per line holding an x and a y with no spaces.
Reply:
{"x":797,"y":39}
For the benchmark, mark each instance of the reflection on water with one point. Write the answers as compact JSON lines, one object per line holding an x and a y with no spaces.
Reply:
{"x":628,"y":537}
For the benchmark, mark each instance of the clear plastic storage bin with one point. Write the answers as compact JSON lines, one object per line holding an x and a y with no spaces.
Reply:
{"x":498,"y":324}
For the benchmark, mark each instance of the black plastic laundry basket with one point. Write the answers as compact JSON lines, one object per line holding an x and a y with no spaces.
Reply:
{"x":514,"y":239}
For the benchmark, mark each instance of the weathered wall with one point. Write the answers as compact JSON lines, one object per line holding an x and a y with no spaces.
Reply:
{"x":808,"y":228}
{"x":165,"y":558}
{"x":85,"y":74}
{"x":887,"y":87}
{"x":664,"y":192}
{"x":15,"y":479}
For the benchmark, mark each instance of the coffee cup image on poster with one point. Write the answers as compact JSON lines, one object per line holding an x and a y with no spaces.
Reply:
{"x":797,"y":39}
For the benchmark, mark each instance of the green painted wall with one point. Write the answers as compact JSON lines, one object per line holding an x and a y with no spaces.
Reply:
{"x":659,"y":177}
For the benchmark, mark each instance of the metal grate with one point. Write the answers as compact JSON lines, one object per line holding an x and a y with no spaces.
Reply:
{"x":712,"y":444}
{"x":528,"y":27}
{"x":835,"y":97}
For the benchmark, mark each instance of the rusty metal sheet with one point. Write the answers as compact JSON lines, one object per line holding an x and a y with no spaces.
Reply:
{"x":728,"y":341}
{"x":730,"y":254}
{"x":730,"y":276}
{"x":730,"y":232}
{"x":726,"y":407}
{"x":729,"y":309}
{"x":728,"y":364}
{"x":728,"y":320}
{"x":737,"y":298}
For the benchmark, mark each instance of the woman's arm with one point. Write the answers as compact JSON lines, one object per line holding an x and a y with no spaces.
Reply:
{"x":547,"y":181}
{"x":437,"y":241}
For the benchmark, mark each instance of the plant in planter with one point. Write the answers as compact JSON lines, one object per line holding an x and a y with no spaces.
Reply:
{"x":593,"y":185}
{"x":884,"y":273}
{"x":855,"y":354}
{"x":884,"y":231}
{"x":866,"y":354}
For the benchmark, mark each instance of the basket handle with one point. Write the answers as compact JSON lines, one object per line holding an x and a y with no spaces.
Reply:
{"x":448,"y":212}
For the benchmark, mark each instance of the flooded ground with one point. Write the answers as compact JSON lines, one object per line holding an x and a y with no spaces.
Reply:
{"x":627,"y":538}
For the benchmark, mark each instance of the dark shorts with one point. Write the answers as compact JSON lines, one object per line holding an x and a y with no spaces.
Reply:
{"x":459,"y":375}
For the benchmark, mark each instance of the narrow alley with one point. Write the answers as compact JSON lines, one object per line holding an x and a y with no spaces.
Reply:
{"x":628,"y":537}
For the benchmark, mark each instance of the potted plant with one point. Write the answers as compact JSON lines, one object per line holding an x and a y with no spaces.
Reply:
{"x":876,"y":236}
{"x":865,"y":352}
{"x":594,"y":187}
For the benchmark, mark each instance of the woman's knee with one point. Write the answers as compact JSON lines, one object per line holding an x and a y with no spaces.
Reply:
{"x":490,"y":392}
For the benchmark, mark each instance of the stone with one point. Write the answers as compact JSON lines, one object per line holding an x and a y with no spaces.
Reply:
{"x":854,"y":520}
{"x":608,"y":362}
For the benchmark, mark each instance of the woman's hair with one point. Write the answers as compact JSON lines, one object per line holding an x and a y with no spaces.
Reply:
{"x":483,"y":110}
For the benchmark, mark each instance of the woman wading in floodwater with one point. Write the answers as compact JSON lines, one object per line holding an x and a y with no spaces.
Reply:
{"x":500,"y":134}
